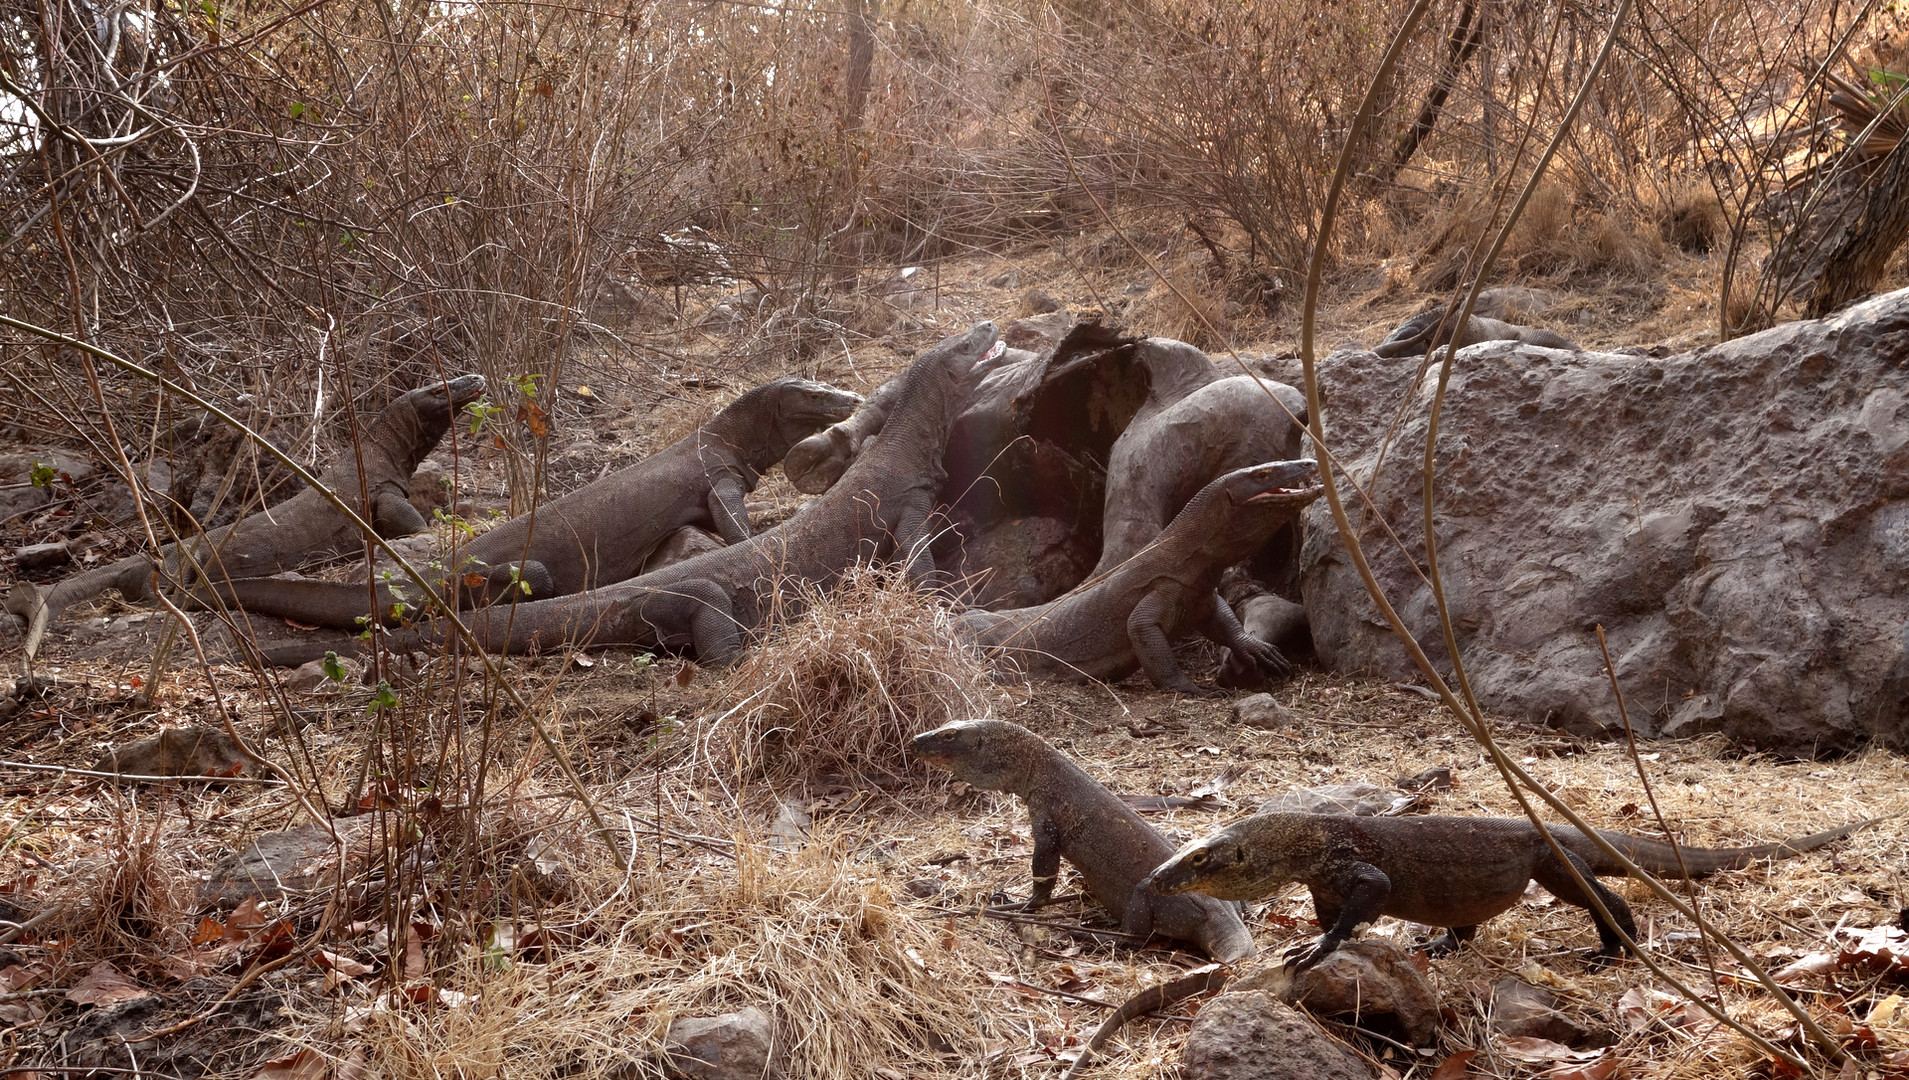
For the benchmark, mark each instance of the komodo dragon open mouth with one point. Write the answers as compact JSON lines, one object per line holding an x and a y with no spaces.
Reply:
{"x":1310,"y":491}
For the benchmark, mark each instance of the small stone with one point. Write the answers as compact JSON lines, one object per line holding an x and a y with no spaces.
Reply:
{"x":43,"y":556}
{"x":1375,"y":982}
{"x":1521,"y":1010}
{"x":186,"y":751}
{"x":1038,"y":302}
{"x":292,"y":861}
{"x":733,"y":1046}
{"x":1263,"y":711}
{"x":1438,"y":778}
{"x":923,"y":888}
{"x":1006,"y":279}
{"x":1039,"y":333}
{"x":1250,"y":1035}
{"x":429,"y":490}
{"x":310,"y":677}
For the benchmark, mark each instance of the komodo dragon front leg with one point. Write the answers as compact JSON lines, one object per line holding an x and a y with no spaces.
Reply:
{"x":1224,"y":628}
{"x":1146,"y":631}
{"x":728,"y":509}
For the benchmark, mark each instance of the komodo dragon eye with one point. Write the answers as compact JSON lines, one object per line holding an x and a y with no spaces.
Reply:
{"x":1197,"y":858}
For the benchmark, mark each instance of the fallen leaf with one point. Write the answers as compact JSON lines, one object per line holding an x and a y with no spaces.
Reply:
{"x":344,"y":965}
{"x":244,"y":920}
{"x":1526,"y":1048}
{"x":209,"y":931}
{"x":304,"y":1065}
{"x":1453,"y":1067}
{"x":413,"y":954}
{"x":1820,"y":963}
{"x":104,"y":985}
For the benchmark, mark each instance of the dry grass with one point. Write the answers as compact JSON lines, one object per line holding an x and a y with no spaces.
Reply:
{"x":130,"y":900}
{"x":722,"y":910}
{"x":844,"y":686}
{"x":1193,"y":309}
{"x":852,"y":985}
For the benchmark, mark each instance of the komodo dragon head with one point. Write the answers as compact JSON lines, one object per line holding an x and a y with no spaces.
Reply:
{"x":1282,"y":486}
{"x":1238,"y":861}
{"x":798,"y":408}
{"x":990,"y":754}
{"x":409,"y":428}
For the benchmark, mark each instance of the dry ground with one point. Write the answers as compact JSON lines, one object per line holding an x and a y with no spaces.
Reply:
{"x":796,"y":859}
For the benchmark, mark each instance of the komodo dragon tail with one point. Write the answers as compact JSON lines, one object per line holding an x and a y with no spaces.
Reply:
{"x":1661,"y":859}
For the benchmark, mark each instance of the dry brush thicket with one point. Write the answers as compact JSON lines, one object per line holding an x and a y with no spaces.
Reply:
{"x":296,"y":209}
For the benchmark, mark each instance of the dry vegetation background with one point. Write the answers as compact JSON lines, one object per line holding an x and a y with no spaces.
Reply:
{"x":299,"y":208}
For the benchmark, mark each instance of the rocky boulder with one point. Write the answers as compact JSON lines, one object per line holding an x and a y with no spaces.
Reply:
{"x":1735,"y":517}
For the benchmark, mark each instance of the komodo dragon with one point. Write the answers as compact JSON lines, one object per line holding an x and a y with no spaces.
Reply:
{"x":1420,"y":334}
{"x":1454,"y":872}
{"x":603,"y":532}
{"x":878,"y":511}
{"x":1166,"y":455}
{"x":1130,"y":617}
{"x":301,"y":530}
{"x":1077,"y":819}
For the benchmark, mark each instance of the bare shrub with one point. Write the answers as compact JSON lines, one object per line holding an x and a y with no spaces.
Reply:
{"x":844,"y":686}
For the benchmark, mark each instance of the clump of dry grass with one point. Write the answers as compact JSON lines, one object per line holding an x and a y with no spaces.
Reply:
{"x":131,"y":900}
{"x":842,"y":688}
{"x":852,"y":985}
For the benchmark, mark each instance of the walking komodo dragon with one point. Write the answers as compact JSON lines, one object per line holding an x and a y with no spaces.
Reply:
{"x":1077,"y":819}
{"x":302,"y":530}
{"x":1454,"y":872}
{"x":603,"y":532}
{"x":878,"y":511}
{"x":1130,"y":616}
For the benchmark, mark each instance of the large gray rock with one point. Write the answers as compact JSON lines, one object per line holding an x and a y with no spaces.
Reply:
{"x":1737,"y":518}
{"x":1250,"y":1035}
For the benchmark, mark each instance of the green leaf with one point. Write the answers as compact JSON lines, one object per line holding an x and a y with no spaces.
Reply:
{"x":333,"y":670}
{"x":297,"y":110}
{"x":42,"y":475}
{"x":480,"y":411}
{"x":382,"y":698}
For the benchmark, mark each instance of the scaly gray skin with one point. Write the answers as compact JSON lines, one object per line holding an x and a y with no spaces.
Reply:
{"x":877,"y":512}
{"x":1130,"y":617}
{"x":1419,"y":335}
{"x":1454,"y":872}
{"x":1168,"y":454}
{"x":1077,"y":819}
{"x":297,"y":532}
{"x":603,"y":532}
{"x":817,"y":462}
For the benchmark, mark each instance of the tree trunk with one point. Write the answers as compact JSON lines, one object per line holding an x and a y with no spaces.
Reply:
{"x":1853,"y":269}
{"x":861,"y":57}
{"x":1463,"y":41}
